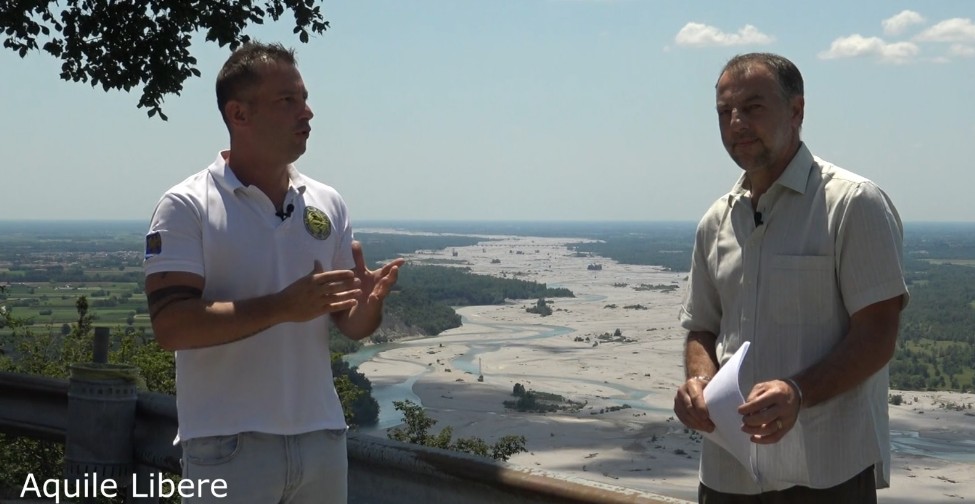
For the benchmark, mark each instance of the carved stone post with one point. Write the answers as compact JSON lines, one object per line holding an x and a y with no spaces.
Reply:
{"x":101,"y":418}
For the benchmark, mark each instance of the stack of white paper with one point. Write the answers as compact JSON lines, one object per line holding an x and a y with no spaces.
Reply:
{"x":723,"y":396}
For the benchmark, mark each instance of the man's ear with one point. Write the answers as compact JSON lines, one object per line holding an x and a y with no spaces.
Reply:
{"x":236,"y":112}
{"x":798,"y":105}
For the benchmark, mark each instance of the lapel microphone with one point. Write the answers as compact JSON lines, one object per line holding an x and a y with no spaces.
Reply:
{"x":286,"y":213}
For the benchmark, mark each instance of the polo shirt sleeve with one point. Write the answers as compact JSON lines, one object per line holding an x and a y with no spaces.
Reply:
{"x":701,"y":309}
{"x":343,"y":254}
{"x":869,"y":248}
{"x":175,"y":238}
{"x":342,"y":259}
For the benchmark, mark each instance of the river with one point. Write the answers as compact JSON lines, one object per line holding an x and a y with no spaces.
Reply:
{"x":905,"y":442}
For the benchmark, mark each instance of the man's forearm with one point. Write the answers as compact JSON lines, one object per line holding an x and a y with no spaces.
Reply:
{"x":359,"y":322}
{"x":700,"y":357}
{"x":866,"y":349}
{"x":198,"y":323}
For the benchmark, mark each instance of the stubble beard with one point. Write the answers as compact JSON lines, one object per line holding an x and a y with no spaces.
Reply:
{"x":756,"y":162}
{"x":297,"y":150}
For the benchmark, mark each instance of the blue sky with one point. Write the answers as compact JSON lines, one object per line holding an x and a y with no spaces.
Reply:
{"x":528,"y":110}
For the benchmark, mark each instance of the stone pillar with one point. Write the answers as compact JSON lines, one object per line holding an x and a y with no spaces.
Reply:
{"x":101,"y":418}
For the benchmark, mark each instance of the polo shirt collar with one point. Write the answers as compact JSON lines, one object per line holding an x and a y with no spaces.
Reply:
{"x":297,"y":179}
{"x":226,"y":177}
{"x":222,"y":173}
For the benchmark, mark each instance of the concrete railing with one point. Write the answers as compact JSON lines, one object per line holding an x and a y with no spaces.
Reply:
{"x":381,"y":471}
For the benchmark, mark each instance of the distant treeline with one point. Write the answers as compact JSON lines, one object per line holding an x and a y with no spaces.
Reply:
{"x":671,"y":254}
{"x":18,"y":239}
{"x":415,"y":309}
{"x":941,"y":306}
{"x":68,"y":275}
{"x":936,"y":348}
{"x":382,"y":247}
{"x":951,"y":241}
{"x":424,"y":295}
{"x":459,"y":287}
{"x":665,"y":244}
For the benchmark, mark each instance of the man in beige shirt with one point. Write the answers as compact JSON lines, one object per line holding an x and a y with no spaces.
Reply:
{"x":803,"y":260}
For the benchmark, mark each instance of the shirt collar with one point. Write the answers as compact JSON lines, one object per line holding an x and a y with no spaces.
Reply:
{"x":797,"y":173}
{"x":226,"y":177}
{"x":794,"y":177}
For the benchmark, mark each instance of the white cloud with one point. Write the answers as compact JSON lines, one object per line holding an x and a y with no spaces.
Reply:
{"x":702,"y":35}
{"x":949,"y":30}
{"x":897,"y":24}
{"x":965,"y":51}
{"x":858,"y":46}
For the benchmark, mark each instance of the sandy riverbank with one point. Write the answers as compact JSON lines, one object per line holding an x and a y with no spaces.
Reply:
{"x":642,"y":446}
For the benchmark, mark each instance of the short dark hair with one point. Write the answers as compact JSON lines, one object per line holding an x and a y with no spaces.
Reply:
{"x":785,"y":71}
{"x":241,"y":70}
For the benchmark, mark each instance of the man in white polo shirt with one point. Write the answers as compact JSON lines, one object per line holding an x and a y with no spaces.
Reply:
{"x":243,"y":260}
{"x":803,"y":260}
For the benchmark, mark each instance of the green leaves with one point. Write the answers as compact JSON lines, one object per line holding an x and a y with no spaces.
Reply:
{"x":355,"y":392}
{"x":416,"y":430}
{"x":123,"y":45}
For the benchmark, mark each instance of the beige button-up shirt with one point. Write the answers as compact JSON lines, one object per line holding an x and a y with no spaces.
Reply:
{"x":830,"y":244}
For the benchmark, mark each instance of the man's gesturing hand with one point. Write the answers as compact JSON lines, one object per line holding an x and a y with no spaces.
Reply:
{"x":374,"y":285}
{"x":320,"y":292}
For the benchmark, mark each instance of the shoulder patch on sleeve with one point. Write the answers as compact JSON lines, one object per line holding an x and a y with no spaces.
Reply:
{"x":153,"y":244}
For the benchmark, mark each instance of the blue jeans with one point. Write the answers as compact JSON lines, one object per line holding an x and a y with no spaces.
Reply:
{"x":268,"y":468}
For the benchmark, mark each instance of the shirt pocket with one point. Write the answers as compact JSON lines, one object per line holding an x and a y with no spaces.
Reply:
{"x":801,"y":289}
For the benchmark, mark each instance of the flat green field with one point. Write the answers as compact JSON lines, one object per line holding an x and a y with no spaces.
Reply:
{"x":49,"y":307}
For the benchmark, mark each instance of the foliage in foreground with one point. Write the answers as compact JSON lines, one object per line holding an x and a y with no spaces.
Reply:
{"x":50,"y":353}
{"x":123,"y":45}
{"x":355,"y":392}
{"x":417,"y":431}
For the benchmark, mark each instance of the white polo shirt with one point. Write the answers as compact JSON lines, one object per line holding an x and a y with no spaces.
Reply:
{"x":830,"y":245}
{"x":278,"y":381}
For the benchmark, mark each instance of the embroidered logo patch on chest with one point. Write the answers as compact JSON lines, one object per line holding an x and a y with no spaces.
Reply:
{"x":317,"y":223}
